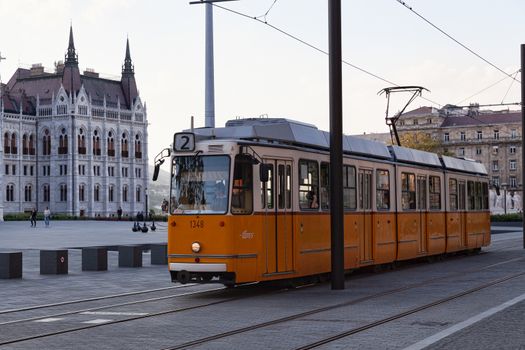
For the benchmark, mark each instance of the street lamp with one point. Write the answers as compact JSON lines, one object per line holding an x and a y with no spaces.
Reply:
{"x":504,"y":186}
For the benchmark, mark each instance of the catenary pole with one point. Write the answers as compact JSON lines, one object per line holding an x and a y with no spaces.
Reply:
{"x":523,"y":140}
{"x":336,"y":144}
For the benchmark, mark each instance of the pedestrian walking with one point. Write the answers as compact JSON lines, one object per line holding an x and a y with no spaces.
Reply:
{"x":119,"y":213}
{"x":33,"y":217}
{"x":47,"y":216}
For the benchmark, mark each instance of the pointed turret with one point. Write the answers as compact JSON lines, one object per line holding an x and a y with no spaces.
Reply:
{"x":71,"y":56}
{"x":128,"y":68}
{"x":71,"y":73}
{"x":129,"y":86}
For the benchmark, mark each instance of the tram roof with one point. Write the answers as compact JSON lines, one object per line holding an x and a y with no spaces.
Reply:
{"x":296,"y":133}
{"x":292,"y":132}
{"x":415,"y":156}
{"x":464,"y":165}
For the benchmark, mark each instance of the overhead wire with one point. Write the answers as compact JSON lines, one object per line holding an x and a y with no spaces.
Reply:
{"x":455,"y":40}
{"x":268,"y":11}
{"x":488,"y":87}
{"x":313,"y":47}
{"x":512,"y":82}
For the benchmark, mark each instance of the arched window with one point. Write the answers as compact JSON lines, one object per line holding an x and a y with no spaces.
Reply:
{"x":32,"y":145}
{"x":25,"y":144}
{"x":63,"y":193}
{"x":81,"y":142}
{"x":138,"y":193}
{"x":124,"y":145}
{"x":81,"y":193}
{"x":96,"y":143}
{"x":96,"y":193}
{"x":110,"y":193}
{"x":10,"y":193}
{"x":111,"y":144}
{"x":125,"y":193}
{"x":27,"y":193}
{"x":45,"y":192}
{"x":14,"y":149}
{"x":7,"y":148}
{"x":63,"y":144}
{"x":46,"y":143}
{"x":138,"y":147}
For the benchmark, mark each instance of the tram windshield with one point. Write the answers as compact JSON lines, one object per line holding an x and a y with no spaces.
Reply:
{"x":199,"y":184}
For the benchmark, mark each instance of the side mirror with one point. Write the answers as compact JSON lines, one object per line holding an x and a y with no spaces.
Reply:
{"x":264,"y":172}
{"x":157,"y":169}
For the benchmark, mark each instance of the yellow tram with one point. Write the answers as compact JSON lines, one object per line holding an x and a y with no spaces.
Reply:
{"x":250,"y":202}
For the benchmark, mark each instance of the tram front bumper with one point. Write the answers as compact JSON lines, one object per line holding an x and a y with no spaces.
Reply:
{"x":201,"y":273}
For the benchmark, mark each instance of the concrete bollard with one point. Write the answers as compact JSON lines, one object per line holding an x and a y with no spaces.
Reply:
{"x":130,"y":256}
{"x":94,"y":259}
{"x":10,"y":265}
{"x":159,"y":254}
{"x":54,"y":262}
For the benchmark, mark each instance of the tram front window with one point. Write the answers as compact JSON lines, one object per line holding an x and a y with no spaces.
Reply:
{"x":199,"y":185}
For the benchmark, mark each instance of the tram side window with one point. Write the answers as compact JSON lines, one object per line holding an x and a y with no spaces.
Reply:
{"x":267,"y":190}
{"x":349,"y":188}
{"x":479,"y":196}
{"x":408,"y":191}
{"x":471,"y":195}
{"x":435,"y":192}
{"x":382,"y":190}
{"x":453,"y":193}
{"x":308,"y":184}
{"x":242,"y":191}
{"x":461,"y":195}
{"x":485,"y":196}
{"x":325,"y":186}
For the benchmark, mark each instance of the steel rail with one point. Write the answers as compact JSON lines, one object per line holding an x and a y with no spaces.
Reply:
{"x":36,"y":307}
{"x":409,"y":312}
{"x":335,"y":306}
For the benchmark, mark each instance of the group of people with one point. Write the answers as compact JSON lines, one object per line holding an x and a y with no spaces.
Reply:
{"x":47,"y":217}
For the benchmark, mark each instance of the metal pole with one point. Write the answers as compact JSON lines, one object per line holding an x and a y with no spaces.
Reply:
{"x":523,"y":139}
{"x":336,"y":144}
{"x":209,"y":111}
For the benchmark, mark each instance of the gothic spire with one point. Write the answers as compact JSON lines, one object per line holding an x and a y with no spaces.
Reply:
{"x":71,"y":56}
{"x":127,"y":68}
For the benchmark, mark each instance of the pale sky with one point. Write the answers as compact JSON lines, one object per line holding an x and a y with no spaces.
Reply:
{"x":259,"y":71}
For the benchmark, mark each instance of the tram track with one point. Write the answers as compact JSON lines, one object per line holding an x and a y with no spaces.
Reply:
{"x":408,"y":312}
{"x":129,"y":319}
{"x":105,"y":307}
{"x":189,"y":308}
{"x":105,"y":297}
{"x":357,"y":301}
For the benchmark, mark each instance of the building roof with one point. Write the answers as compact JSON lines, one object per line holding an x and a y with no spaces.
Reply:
{"x":26,"y":84}
{"x":483,"y":119}
{"x":419,"y":111}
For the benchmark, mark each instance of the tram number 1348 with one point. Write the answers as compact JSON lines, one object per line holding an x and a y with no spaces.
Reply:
{"x":197,"y":223}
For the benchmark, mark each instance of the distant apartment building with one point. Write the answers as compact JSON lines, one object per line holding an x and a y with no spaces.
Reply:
{"x":490,"y":137}
{"x":74,"y":142}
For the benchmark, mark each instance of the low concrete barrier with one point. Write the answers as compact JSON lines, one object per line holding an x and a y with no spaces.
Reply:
{"x":159,"y":254}
{"x":94,"y":259}
{"x":54,"y":262}
{"x":130,"y":256}
{"x":10,"y":265}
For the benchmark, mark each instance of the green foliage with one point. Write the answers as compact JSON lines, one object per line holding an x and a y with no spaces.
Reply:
{"x":514,"y":217}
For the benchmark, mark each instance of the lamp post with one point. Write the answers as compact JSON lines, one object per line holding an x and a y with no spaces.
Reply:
{"x":504,"y":186}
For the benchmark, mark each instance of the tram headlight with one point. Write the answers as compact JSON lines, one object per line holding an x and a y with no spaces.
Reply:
{"x":196,"y":247}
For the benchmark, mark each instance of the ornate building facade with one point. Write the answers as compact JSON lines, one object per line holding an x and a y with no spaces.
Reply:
{"x":489,"y":137}
{"x":72,"y":141}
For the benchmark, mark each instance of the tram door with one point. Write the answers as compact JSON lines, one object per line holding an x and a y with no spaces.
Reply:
{"x":422,"y":210}
{"x":278,"y":216}
{"x":462,"y":190}
{"x":365,"y":205}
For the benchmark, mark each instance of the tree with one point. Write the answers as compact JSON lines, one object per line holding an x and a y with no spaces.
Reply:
{"x":422,"y":141}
